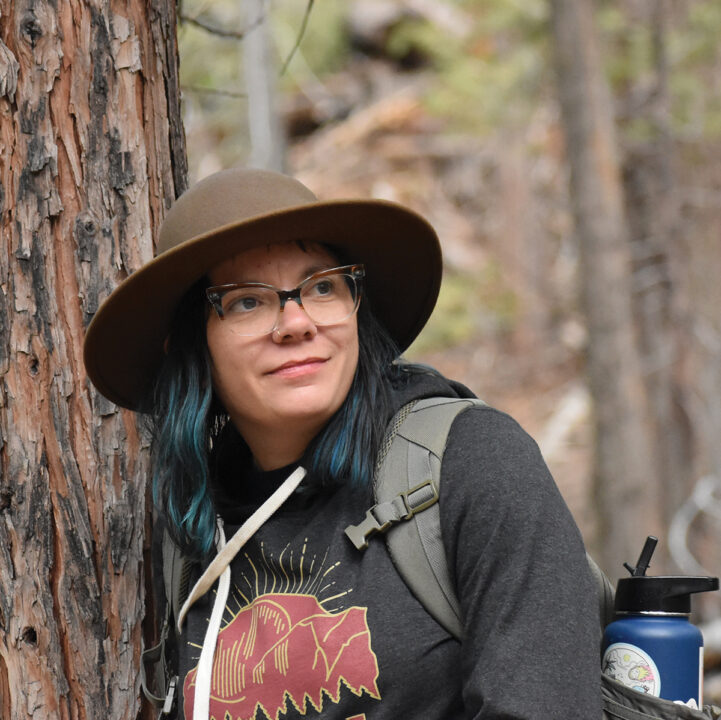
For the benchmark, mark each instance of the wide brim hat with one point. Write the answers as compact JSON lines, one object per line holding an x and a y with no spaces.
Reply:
{"x":239,"y":209}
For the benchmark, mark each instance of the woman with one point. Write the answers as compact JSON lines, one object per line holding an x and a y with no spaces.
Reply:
{"x":261,"y":340}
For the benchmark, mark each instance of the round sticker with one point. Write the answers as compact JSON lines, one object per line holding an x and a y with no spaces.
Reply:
{"x":632,"y":667}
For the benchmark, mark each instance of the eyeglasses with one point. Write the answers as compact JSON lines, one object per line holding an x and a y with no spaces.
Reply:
{"x":328,"y":297}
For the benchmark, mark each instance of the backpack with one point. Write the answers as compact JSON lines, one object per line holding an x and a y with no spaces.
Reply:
{"x":412,"y":450}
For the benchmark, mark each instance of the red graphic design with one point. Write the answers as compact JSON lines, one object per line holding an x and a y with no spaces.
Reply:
{"x":287,"y":648}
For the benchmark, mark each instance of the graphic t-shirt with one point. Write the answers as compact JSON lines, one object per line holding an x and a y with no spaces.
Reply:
{"x":310,"y":627}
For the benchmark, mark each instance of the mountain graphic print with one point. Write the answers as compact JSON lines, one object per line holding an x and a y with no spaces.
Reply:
{"x":286,"y":643}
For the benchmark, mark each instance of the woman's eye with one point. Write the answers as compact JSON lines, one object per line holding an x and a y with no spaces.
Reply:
{"x":242,"y":304}
{"x":323,"y":287}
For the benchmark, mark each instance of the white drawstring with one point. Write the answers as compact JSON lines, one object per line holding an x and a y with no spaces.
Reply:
{"x":220,"y":567}
{"x":203,"y":676}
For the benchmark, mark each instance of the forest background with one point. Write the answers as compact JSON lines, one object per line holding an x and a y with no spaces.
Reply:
{"x":453,"y":108}
{"x":567,"y":152}
{"x":457,"y":110}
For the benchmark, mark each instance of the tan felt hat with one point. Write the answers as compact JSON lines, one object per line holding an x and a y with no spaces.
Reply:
{"x":238,"y":209}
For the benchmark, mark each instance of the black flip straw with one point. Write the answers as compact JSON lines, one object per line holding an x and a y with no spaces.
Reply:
{"x":644,"y":559}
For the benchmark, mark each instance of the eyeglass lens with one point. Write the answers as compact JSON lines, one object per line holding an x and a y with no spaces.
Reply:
{"x":327,"y":299}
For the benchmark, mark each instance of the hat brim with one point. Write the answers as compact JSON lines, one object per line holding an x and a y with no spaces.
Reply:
{"x":124,"y":343}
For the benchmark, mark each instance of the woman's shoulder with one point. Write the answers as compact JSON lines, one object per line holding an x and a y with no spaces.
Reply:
{"x":481,"y":421}
{"x":489,"y":454}
{"x":470,"y":422}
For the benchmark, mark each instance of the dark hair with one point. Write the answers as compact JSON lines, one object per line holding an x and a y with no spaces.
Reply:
{"x":187,"y":423}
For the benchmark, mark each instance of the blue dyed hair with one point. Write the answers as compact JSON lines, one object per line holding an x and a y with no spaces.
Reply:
{"x":183,"y":420}
{"x":189,"y":431}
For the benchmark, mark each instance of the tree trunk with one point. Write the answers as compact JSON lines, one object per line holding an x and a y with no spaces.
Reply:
{"x":91,"y":153}
{"x":267,"y":140}
{"x":659,"y":271}
{"x":624,"y":482}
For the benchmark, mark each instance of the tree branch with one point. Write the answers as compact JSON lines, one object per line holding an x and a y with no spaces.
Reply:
{"x":233,"y":34}
{"x":213,"y":91}
{"x":301,"y":33}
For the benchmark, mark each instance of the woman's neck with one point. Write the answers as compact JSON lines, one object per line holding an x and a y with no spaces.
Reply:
{"x":273,"y":449}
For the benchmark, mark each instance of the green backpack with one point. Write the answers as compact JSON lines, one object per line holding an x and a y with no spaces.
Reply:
{"x":406,"y":488}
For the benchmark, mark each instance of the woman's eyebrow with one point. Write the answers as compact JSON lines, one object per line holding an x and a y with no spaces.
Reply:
{"x":304,"y":274}
{"x":318,"y":267}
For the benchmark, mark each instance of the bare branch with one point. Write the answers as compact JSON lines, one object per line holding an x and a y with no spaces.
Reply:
{"x":301,"y":33}
{"x":233,"y":34}
{"x":213,"y":91}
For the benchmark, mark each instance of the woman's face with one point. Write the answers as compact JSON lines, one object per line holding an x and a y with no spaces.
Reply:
{"x":281,"y":388}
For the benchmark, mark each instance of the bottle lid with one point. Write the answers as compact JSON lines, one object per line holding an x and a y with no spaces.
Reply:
{"x":661,"y":594}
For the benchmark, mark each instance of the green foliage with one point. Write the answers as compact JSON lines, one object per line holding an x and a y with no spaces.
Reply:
{"x":491,"y":77}
{"x":452,"y":322}
{"x":413,"y":34}
{"x":209,"y":60}
{"x":480,"y":95}
{"x":630,"y":50}
{"x":693,"y":54}
{"x":468,"y":305}
{"x":702,"y":30}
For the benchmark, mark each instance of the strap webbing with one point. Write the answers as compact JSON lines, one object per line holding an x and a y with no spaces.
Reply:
{"x":242,"y":535}
{"x":416,"y":548}
{"x":175,"y":577}
{"x":429,"y":531}
{"x":406,"y":486}
{"x":175,"y":567}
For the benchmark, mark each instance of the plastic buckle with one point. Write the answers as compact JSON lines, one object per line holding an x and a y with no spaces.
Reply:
{"x":360,"y":533}
{"x":169,"y":698}
{"x":425,"y":504}
{"x":403,"y":507}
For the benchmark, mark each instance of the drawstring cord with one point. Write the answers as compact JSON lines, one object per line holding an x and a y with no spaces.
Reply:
{"x":203,"y":677}
{"x":220,"y":568}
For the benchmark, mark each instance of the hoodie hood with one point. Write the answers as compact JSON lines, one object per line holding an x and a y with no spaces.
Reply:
{"x":423,"y":381}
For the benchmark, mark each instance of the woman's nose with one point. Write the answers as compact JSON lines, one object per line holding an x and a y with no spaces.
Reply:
{"x":294,"y":323}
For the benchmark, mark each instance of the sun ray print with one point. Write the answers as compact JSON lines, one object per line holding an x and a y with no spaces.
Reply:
{"x":287,"y":647}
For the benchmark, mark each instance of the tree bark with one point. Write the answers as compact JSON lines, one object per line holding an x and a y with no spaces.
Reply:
{"x":91,"y":154}
{"x":625,"y":478}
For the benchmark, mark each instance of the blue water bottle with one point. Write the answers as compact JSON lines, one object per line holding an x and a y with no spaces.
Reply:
{"x":651,"y":646}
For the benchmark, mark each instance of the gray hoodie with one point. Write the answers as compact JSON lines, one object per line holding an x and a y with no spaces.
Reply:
{"x":314,"y":628}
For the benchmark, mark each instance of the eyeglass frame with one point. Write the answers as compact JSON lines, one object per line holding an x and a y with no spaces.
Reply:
{"x":214,"y":293}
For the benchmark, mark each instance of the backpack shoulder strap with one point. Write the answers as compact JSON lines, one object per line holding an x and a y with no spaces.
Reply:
{"x":605,"y":591}
{"x":413,"y":451}
{"x":416,"y":548}
{"x":176,"y":575}
{"x":407,"y":483}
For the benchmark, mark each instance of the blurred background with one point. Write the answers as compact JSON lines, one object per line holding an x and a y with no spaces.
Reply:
{"x":568,"y":154}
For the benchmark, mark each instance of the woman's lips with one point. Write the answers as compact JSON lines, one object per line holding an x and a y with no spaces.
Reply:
{"x":295,"y":368}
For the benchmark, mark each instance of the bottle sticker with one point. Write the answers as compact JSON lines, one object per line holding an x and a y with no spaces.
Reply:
{"x":632,"y":667}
